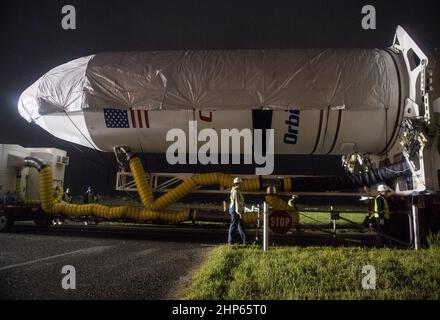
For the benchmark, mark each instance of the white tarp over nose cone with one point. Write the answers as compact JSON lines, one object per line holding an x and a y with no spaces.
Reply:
{"x":59,"y":90}
{"x":353,"y":79}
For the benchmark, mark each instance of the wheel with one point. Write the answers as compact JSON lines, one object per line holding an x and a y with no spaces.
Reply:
{"x":57,"y":222}
{"x":6,"y":221}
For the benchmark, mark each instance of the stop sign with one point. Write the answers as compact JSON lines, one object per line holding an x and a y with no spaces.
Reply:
{"x":280,"y":221}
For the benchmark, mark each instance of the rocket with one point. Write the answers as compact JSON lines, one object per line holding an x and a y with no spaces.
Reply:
{"x":316,"y":101}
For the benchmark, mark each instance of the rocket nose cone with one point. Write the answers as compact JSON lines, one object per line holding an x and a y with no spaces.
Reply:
{"x":54,"y":102}
{"x":28,"y":104}
{"x":59,"y":90}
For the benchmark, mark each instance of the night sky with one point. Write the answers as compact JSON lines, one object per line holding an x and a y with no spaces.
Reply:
{"x":32,"y":42}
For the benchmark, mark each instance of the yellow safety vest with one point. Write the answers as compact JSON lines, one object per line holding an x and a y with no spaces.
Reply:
{"x":240,"y":200}
{"x":386,"y":209}
{"x":291,"y":203}
{"x":92,"y":198}
{"x":67,"y":198}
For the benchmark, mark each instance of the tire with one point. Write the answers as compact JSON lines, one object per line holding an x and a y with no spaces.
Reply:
{"x":6,"y":221}
{"x":57,"y":222}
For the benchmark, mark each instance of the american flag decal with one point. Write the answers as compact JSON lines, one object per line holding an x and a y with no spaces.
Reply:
{"x":139,"y":118}
{"x":118,"y":118}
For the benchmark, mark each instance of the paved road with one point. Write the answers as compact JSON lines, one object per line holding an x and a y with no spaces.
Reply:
{"x":113,"y":262}
{"x":107,"y":266}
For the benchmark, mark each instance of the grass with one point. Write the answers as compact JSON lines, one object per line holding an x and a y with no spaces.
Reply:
{"x":324,"y":217}
{"x":434,"y":240}
{"x":235,"y":272}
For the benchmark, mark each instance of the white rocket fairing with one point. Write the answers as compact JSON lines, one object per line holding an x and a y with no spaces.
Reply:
{"x":349,"y":100}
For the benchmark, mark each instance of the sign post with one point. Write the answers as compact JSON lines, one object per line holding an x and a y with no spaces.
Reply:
{"x":265,"y":226}
{"x":416,"y":229}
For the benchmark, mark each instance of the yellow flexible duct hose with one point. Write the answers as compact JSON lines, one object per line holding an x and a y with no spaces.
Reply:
{"x":46,"y":193}
{"x":142,"y":180}
{"x":287,"y":184}
{"x":51,"y":205}
{"x":154,"y":209}
{"x":279,"y":204}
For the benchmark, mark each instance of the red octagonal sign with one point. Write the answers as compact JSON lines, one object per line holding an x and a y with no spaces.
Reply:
{"x":280,"y":221}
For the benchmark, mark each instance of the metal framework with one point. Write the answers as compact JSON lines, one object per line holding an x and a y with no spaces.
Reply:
{"x":331,"y":228}
{"x":164,"y":182}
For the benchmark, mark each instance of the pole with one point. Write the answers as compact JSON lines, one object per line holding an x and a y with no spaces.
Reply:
{"x":333,"y":217}
{"x":265,"y":226}
{"x":257,"y":233}
{"x":416,"y":230}
{"x":334,"y":228}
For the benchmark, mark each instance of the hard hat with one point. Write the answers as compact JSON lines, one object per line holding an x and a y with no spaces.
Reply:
{"x":67,"y":190}
{"x":271,"y":190}
{"x":294,"y":196}
{"x":237,"y":180}
{"x":381,"y":188}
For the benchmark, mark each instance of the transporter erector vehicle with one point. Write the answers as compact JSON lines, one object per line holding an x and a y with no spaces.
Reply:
{"x":377,"y":108}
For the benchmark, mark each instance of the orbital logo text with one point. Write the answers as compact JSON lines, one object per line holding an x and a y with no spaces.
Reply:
{"x":291,"y":137}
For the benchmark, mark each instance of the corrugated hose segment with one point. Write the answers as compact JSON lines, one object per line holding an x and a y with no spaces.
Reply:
{"x":154,"y":209}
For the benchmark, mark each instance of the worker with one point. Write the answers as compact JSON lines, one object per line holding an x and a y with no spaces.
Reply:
{"x":56,"y":193}
{"x":236,"y":209}
{"x":9,"y":199}
{"x":67,"y":196}
{"x":90,"y":196}
{"x":381,"y":212}
{"x":292,"y":203}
